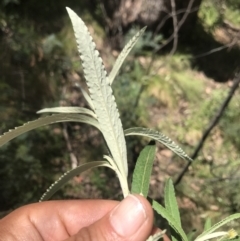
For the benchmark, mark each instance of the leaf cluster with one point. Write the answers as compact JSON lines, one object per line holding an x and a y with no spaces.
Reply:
{"x":103,"y":114}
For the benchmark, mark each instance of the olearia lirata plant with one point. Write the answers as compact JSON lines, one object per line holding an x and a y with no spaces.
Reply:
{"x":103,"y":114}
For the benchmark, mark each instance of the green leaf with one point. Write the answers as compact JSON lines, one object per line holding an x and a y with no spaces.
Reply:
{"x":87,"y":97}
{"x":170,"y":200}
{"x":191,"y":234}
{"x":68,"y":109}
{"x":171,"y":220}
{"x":69,"y":175}
{"x":122,"y":56}
{"x":143,"y":169}
{"x":157,"y":136}
{"x":100,"y":93}
{"x":219,"y":224}
{"x":46,"y":121}
{"x":207,"y":224}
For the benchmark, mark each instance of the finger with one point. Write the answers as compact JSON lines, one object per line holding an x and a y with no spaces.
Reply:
{"x":53,"y":220}
{"x":131,"y":220}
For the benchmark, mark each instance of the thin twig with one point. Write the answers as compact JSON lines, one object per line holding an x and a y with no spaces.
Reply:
{"x":179,"y":25}
{"x":73,"y":158}
{"x":170,"y":15}
{"x":214,"y":50}
{"x":181,"y":22}
{"x":175,"y":27}
{"x":212,"y":124}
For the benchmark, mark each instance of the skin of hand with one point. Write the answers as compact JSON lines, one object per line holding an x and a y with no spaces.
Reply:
{"x":80,"y":220}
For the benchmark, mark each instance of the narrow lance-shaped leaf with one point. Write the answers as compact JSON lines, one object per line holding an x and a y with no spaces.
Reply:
{"x":191,"y":234}
{"x":171,"y":206}
{"x":121,"y":176}
{"x":68,"y":109}
{"x":86,"y":96}
{"x":122,"y":56}
{"x":207,"y":224}
{"x":171,"y":220}
{"x":219,"y":224}
{"x":212,"y":235}
{"x":46,"y":121}
{"x":101,"y":94}
{"x":143,"y":170}
{"x":69,"y":175}
{"x":171,"y":202}
{"x":157,"y":236}
{"x":157,"y":136}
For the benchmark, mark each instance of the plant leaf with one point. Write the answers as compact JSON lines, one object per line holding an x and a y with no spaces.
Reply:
{"x":157,"y":136}
{"x":171,"y":220}
{"x":170,"y":201}
{"x":124,"y":53}
{"x":100,"y":93}
{"x":46,"y":121}
{"x":143,"y":170}
{"x":121,"y":176}
{"x":219,"y":224}
{"x":157,"y":236}
{"x":207,"y":224}
{"x":191,"y":234}
{"x":87,"y":97}
{"x":68,"y":109}
{"x":69,"y":175}
{"x":211,"y":236}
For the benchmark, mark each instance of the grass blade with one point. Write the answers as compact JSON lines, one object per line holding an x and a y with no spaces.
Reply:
{"x":69,"y":175}
{"x":170,"y":200}
{"x":143,"y":170}
{"x":157,"y":136}
{"x":100,"y":93}
{"x":68,"y":109}
{"x":171,"y":220}
{"x":122,"y":56}
{"x":219,"y":224}
{"x":46,"y":121}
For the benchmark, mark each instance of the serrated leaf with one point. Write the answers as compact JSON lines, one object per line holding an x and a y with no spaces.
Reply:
{"x":171,"y":220}
{"x":143,"y":169}
{"x":46,"y":121}
{"x":124,"y":53}
{"x":100,"y":93}
{"x":156,"y":236}
{"x":170,"y":201}
{"x":68,"y":109}
{"x":219,"y":224}
{"x":157,"y":136}
{"x":69,"y":175}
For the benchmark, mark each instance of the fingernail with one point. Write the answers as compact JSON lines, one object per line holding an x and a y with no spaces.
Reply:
{"x":128,"y":216}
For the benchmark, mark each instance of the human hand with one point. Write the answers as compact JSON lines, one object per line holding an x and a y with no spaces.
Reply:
{"x":88,"y":220}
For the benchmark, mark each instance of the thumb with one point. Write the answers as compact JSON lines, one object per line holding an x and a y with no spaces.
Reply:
{"x":131,"y":219}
